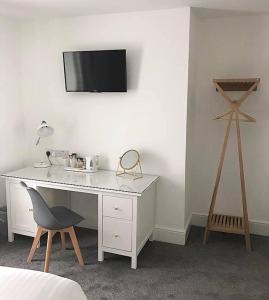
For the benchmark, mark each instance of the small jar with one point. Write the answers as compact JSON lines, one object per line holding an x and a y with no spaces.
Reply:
{"x":80,"y":163}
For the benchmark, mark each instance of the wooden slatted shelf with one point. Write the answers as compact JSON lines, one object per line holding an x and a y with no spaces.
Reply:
{"x":225,"y":223}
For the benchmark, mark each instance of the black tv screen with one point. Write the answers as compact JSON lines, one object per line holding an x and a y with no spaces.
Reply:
{"x":95,"y":71}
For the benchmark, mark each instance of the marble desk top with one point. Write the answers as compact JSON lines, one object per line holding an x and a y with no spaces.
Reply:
{"x":101,"y":180}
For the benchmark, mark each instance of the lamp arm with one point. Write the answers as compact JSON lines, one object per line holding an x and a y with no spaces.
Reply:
{"x":37,"y":142}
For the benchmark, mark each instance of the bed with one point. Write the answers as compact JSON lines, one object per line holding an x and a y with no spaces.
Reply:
{"x":20,"y":284}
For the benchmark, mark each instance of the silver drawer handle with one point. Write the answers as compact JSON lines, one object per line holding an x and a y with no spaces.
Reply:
{"x":31,"y":209}
{"x":116,"y":208}
{"x":116,"y":235}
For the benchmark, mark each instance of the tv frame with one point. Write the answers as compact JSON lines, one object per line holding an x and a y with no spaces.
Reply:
{"x":96,"y":91}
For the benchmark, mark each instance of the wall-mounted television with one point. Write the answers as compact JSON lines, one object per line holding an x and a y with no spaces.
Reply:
{"x":95,"y":71}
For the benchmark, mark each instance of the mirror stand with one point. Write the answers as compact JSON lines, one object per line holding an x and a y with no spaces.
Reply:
{"x":134,"y":173}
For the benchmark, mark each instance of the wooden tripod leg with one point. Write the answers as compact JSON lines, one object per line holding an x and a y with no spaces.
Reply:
{"x":215,"y":191}
{"x":35,"y":244}
{"x":243,"y":185}
{"x":48,"y":250}
{"x":74,"y":241}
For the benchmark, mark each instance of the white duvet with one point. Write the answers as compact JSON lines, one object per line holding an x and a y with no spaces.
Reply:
{"x":19,"y":284}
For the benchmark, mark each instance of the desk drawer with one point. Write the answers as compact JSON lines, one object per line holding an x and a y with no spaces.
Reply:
{"x":117,"y":207}
{"x":21,"y":209}
{"x":117,"y":234}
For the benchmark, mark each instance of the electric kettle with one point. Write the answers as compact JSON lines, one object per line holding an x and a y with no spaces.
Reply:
{"x":92,"y":162}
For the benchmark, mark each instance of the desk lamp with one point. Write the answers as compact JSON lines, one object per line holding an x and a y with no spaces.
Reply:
{"x":43,"y":131}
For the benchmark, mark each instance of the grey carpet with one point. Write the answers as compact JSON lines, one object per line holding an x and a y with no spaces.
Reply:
{"x":3,"y":214}
{"x":220,"y":270}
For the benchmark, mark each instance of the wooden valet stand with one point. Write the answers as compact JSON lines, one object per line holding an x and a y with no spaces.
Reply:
{"x":219,"y":222}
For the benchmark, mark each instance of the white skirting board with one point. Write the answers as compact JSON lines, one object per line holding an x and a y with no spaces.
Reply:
{"x":179,"y":237}
{"x":172,"y":235}
{"x":169,"y":235}
{"x":256,"y":227}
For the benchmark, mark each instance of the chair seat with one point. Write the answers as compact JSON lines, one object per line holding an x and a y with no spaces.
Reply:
{"x":65,"y":217}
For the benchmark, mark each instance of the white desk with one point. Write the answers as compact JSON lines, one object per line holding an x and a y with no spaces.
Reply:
{"x":126,"y":208}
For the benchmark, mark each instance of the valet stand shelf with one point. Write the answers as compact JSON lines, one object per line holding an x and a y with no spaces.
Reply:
{"x":220,"y":222}
{"x":224,"y":223}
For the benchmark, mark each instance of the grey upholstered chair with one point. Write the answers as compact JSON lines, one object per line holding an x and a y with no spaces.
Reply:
{"x":52,"y":220}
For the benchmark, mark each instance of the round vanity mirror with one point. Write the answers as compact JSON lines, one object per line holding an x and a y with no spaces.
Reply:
{"x":129,"y":159}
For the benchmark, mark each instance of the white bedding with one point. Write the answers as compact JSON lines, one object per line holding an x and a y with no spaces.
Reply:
{"x":19,"y":284}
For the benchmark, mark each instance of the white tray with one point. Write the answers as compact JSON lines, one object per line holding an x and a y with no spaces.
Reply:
{"x":77,"y":170}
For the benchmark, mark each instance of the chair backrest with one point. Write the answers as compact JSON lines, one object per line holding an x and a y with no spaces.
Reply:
{"x":42,"y":214}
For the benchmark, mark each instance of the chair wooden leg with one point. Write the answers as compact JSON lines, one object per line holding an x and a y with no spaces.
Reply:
{"x":48,"y":250}
{"x":63,"y":240}
{"x":206,"y":235}
{"x":35,"y":244}
{"x":74,"y":240}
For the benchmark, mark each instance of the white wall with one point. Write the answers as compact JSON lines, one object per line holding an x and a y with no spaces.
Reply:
{"x":194,"y":40}
{"x":150,"y":117}
{"x":229,"y":47}
{"x":12,"y":150}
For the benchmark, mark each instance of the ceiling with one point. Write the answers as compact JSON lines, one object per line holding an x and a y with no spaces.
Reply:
{"x":62,"y":8}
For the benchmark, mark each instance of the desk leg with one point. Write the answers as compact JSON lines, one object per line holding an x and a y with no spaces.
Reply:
{"x":134,"y":262}
{"x":10,"y":236}
{"x":100,"y":255}
{"x":100,"y":228}
{"x":10,"y":233}
{"x":134,"y":235}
